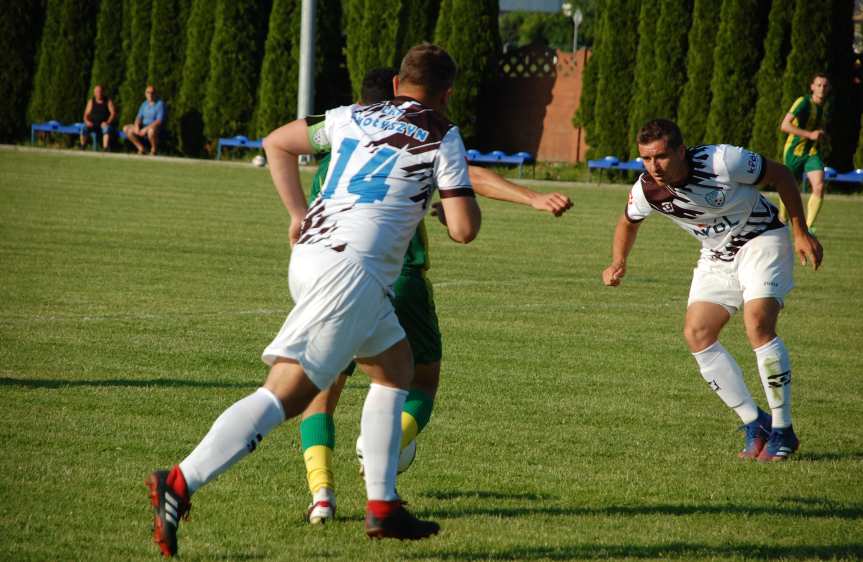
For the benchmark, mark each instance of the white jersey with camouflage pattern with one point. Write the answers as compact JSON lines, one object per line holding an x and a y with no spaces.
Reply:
{"x":717,"y":203}
{"x":388,"y":158}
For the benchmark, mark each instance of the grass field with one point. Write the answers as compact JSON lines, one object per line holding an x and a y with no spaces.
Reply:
{"x":137,"y":295}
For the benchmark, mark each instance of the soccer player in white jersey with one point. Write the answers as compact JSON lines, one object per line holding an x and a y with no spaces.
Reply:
{"x":746,"y":261}
{"x":347,"y":251}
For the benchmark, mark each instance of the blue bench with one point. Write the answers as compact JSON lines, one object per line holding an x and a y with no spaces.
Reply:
{"x":238,"y":141}
{"x":74,"y":129}
{"x":498,"y":157}
{"x":613,"y":163}
{"x":831,"y":175}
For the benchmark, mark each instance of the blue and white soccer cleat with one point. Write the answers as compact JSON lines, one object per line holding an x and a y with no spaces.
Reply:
{"x":756,"y":435}
{"x":781,"y":445}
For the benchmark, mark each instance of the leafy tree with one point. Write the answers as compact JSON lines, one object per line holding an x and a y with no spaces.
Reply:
{"x":372,"y":37}
{"x":846,"y":102}
{"x":858,"y":155}
{"x":467,"y":29}
{"x":188,"y":120}
{"x":768,"y":109}
{"x":277,"y":93}
{"x":671,"y":47}
{"x":417,"y":24}
{"x":109,"y":63}
{"x":810,"y":36}
{"x":696,"y":97}
{"x":332,"y":81}
{"x":66,"y":54}
{"x":167,"y":47}
{"x":644,"y":102}
{"x":137,"y":54}
{"x":735,"y":62}
{"x":585,"y":115}
{"x":20,"y":30}
{"x":616,"y":61}
{"x":235,"y":60}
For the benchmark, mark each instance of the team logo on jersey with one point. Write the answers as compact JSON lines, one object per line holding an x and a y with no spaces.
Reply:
{"x":715,"y":198}
{"x":752,"y":163}
{"x":667,"y":207}
{"x":320,"y":137}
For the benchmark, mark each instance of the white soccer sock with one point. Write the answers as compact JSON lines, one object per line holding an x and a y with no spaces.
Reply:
{"x":381,"y":428}
{"x":724,"y":377}
{"x":234,"y":434}
{"x":774,"y":366}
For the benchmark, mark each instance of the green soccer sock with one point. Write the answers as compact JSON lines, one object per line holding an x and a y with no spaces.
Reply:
{"x":318,"y":438}
{"x":415,"y":415}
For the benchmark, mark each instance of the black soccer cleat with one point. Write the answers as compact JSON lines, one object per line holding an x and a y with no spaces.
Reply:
{"x":399,"y":524}
{"x":168,"y":508}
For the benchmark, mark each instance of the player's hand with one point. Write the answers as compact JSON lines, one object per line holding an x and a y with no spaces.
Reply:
{"x":809,"y":249}
{"x":554,"y":203}
{"x":294,"y":231}
{"x":816,"y":135}
{"x":437,"y":211}
{"x":613,"y":274}
{"x":88,"y":123}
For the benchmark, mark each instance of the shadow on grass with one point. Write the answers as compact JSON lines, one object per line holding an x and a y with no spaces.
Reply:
{"x":485,"y":495}
{"x":669,"y":550}
{"x":830,"y":456}
{"x":791,"y":507}
{"x":143,"y":383}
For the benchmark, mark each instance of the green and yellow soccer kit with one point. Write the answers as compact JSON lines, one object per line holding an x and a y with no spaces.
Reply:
{"x":801,"y":154}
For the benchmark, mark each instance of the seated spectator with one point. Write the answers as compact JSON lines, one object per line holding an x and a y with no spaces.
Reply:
{"x":99,"y":116}
{"x":148,"y":122}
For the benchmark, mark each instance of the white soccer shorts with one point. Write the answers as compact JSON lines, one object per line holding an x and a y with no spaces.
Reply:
{"x":763,"y":268}
{"x":341,"y":312}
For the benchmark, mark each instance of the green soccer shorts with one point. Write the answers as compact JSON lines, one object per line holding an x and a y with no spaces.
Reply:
{"x":414,"y":304}
{"x":803,"y":164}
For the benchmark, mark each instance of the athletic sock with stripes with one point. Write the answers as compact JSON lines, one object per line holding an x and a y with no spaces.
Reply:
{"x":381,"y":431}
{"x":725,"y":378}
{"x":774,"y":366}
{"x":415,"y":415}
{"x":234,"y":434}
{"x":318,"y":438}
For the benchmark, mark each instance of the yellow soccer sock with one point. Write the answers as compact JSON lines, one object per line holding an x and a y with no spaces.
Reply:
{"x":812,"y":210}
{"x":318,"y":436}
{"x":319,"y":468}
{"x":410,"y":429}
{"x":783,"y":215}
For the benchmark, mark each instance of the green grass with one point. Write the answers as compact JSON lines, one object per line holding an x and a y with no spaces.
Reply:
{"x":136,"y":297}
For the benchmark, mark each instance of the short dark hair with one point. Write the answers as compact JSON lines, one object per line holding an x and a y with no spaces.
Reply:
{"x":378,"y":85}
{"x":429,"y":67}
{"x":657,"y":129}
{"x":819,"y":74}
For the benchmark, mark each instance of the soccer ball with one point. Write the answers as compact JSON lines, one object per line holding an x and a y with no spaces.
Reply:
{"x":259,"y":161}
{"x":406,"y":457}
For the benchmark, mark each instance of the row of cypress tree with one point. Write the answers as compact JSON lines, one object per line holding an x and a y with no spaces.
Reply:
{"x":225,"y":67}
{"x":726,"y":70}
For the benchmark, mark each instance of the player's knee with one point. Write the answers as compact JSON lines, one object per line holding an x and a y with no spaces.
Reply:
{"x":698,"y":336}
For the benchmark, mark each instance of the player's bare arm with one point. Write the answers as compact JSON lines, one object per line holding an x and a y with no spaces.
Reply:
{"x":463,"y":218}
{"x":788,"y":127}
{"x":807,"y":246}
{"x":283,"y":146}
{"x":490,"y":184}
{"x":625,"y":234}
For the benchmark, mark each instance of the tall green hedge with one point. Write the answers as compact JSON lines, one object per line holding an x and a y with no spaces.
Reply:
{"x":137,"y":57}
{"x":616,"y":58}
{"x":20,"y":30}
{"x":644,"y":101}
{"x":109,"y":63}
{"x":696,"y":96}
{"x":235,"y":61}
{"x":671,"y":48}
{"x":187,"y":121}
{"x":735,"y":62}
{"x":372,"y":35}
{"x":332,"y":80}
{"x":467,"y":29}
{"x":585,"y":115}
{"x":858,"y":154}
{"x":277,"y":93}
{"x":768,"y":109}
{"x":418,"y":19}
{"x":167,"y":47}
{"x":842,"y":127}
{"x":65,"y":59}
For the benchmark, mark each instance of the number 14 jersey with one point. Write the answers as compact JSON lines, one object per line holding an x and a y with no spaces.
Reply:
{"x":387,"y":161}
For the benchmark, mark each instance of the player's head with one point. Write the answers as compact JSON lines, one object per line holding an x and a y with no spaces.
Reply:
{"x":660,"y":146}
{"x":427,"y":73}
{"x":150,"y":92}
{"x":378,"y":85}
{"x":97,"y":91}
{"x":819,"y":86}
